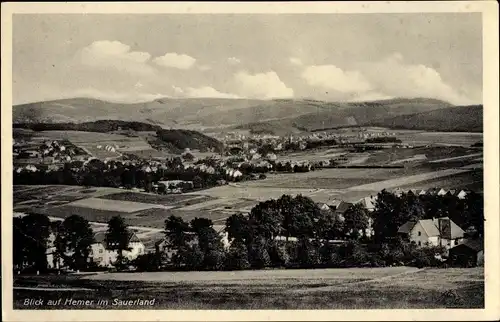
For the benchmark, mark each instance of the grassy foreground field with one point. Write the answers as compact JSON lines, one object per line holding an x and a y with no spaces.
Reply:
{"x":357,"y":288}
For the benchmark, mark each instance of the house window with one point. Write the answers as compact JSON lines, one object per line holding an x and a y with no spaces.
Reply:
{"x":420,"y":233}
{"x":419,"y":243}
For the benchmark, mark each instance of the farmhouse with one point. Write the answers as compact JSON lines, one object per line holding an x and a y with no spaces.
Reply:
{"x":468,"y":253}
{"x":105,"y":257}
{"x":437,"y":232}
{"x":342,"y":208}
{"x":368,"y":203}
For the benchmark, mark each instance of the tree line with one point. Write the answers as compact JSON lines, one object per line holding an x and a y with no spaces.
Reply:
{"x":287,"y":232}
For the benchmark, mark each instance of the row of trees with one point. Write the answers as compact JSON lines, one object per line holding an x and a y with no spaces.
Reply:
{"x":68,"y":241}
{"x":117,"y":174}
{"x":284,"y":232}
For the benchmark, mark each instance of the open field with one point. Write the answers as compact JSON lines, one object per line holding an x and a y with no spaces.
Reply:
{"x":123,"y":206}
{"x":153,"y":198}
{"x":89,"y":141}
{"x":472,"y":180}
{"x":358,"y":288}
{"x":446,"y":138}
{"x":394,"y":183}
{"x":138,"y":209}
{"x":393,"y":155}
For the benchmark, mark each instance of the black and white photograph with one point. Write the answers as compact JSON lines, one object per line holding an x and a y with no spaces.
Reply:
{"x":248,"y":160}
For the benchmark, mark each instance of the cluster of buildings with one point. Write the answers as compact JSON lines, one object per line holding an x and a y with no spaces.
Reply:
{"x":48,"y":152}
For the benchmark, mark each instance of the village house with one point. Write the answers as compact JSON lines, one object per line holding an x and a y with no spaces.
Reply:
{"x":106,"y":258}
{"x":437,"y":232}
{"x":368,"y":203}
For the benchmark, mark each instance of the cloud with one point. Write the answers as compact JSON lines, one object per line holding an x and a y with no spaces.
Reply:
{"x":208,"y":92}
{"x":388,"y":78}
{"x":105,"y":54}
{"x":204,"y":67}
{"x":331,"y":77}
{"x":262,"y":85}
{"x":369,"y":96}
{"x":174,"y":60}
{"x":177,"y":90}
{"x":233,"y":61}
{"x":295,"y":61}
{"x":115,"y":96}
{"x":395,"y":77}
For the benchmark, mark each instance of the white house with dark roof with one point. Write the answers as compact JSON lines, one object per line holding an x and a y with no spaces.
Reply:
{"x":105,"y":257}
{"x":437,"y":232}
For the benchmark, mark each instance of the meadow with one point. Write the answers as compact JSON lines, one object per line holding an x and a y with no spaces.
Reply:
{"x":101,"y":204}
{"x":356,"y":288}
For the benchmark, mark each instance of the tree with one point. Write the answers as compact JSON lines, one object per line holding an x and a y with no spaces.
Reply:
{"x":75,"y":238}
{"x":18,"y":243}
{"x":237,"y":227}
{"x":258,"y":254}
{"x":278,"y":254}
{"x":36,"y":229}
{"x":117,"y":238}
{"x":178,"y":236}
{"x":305,"y":215}
{"x":307,"y":252}
{"x":387,"y":216}
{"x":265,"y":220}
{"x":356,"y":220}
{"x":209,"y":242}
{"x":237,"y":257}
{"x":191,"y":256}
{"x":177,"y":232}
{"x":474,"y":213}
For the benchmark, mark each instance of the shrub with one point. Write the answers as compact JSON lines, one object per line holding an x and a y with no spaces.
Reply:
{"x":193,"y":257}
{"x":259,"y":256}
{"x":214,"y":259}
{"x":237,"y":257}
{"x":146,"y":262}
{"x":307,"y":253}
{"x":329,"y":255}
{"x":279,"y":254}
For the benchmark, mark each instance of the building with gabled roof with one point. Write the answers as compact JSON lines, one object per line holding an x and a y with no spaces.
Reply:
{"x":368,"y":203}
{"x":437,"y":232}
{"x":106,"y":258}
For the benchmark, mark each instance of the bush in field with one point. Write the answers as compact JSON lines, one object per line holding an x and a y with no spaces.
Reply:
{"x":146,"y":262}
{"x":237,"y":257}
{"x":279,"y":254}
{"x":354,"y":254}
{"x":307,"y":253}
{"x":427,"y":256}
{"x":258,"y":254}
{"x":193,"y":257}
{"x":215,"y":259}
{"x":329,"y":255}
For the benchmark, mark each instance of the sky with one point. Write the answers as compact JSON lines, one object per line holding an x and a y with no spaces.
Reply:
{"x":332,"y":57}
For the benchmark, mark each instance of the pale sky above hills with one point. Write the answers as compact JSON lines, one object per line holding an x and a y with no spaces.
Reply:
{"x":130,"y":58}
